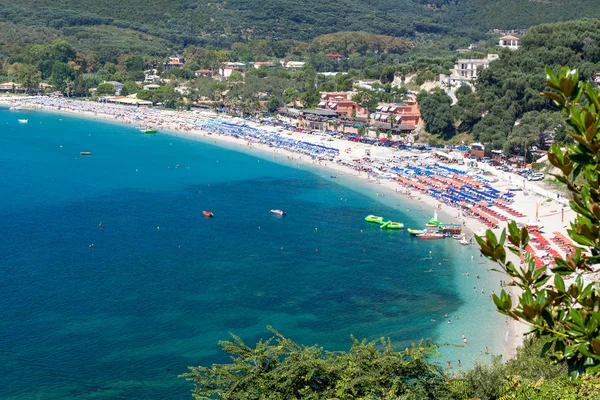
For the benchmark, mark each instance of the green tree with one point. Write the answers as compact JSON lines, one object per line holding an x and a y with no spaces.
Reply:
{"x":278,"y":368}
{"x":564,"y":315}
{"x":30,"y":78}
{"x":80,"y":86}
{"x":289,"y":95}
{"x":273,"y":104}
{"x":437,"y":113}
{"x":105,"y":89}
{"x":61,"y":73}
{"x":129,"y":87}
{"x":392,"y":120}
{"x":135,"y":63}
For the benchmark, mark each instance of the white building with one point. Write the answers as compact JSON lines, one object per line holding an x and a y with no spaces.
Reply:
{"x":510,"y":42}
{"x":294,"y":64}
{"x":229,"y":67}
{"x":466,"y":70}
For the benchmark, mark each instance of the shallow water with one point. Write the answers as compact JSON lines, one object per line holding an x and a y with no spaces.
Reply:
{"x":163,"y":284}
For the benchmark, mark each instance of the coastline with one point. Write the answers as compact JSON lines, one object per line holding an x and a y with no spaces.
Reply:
{"x":348,"y":177}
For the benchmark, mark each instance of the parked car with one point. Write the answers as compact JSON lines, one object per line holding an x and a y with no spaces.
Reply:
{"x":524,"y":172}
{"x":535,"y":177}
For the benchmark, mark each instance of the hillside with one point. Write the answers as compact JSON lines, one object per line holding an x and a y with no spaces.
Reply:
{"x":219,"y":23}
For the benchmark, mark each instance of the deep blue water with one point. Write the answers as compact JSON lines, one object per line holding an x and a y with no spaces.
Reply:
{"x":162,"y":284}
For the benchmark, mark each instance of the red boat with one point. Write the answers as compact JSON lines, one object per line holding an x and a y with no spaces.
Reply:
{"x":430,"y":236}
{"x":207,"y":214}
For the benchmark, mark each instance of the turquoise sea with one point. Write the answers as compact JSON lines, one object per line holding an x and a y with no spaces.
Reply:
{"x":163,"y":284}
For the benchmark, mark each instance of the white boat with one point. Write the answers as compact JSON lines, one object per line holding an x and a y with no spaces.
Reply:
{"x":23,"y":121}
{"x":463,"y":241}
{"x":278,"y":212}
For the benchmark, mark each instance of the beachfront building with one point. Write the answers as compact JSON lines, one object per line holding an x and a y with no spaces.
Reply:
{"x":407,"y":116}
{"x":342,"y":104}
{"x":466,"y":70}
{"x":11,"y":87}
{"x":130,"y":100}
{"x":510,"y":42}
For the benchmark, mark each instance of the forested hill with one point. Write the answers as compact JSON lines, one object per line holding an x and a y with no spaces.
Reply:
{"x":221,"y":22}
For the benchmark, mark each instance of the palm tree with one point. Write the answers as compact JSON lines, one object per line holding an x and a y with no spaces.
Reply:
{"x":392,"y":120}
{"x":335,"y":125}
{"x":378,"y":132}
{"x":362,"y":130}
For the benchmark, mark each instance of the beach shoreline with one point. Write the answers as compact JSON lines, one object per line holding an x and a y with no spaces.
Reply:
{"x":515,"y":331}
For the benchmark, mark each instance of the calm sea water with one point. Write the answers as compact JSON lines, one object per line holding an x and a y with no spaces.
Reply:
{"x":163,"y":284}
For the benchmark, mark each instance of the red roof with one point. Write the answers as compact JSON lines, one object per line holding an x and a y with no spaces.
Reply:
{"x":334,"y":55}
{"x":203,"y":71}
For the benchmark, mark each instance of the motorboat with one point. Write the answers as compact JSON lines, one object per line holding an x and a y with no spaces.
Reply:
{"x":23,"y":121}
{"x":149,"y":131}
{"x":416,"y":232}
{"x":430,"y":235}
{"x":207,"y":214}
{"x":85,"y":153}
{"x":278,"y":212}
{"x":375,"y":219}
{"x":464,"y":241}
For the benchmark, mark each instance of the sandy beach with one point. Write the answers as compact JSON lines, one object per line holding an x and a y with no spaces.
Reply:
{"x":534,"y":202}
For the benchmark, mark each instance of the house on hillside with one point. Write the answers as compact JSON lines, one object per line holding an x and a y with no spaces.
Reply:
{"x":335,"y":56}
{"x":510,"y":42}
{"x":266,"y":64}
{"x":292,"y":64}
{"x":152,"y":86}
{"x":174,"y":62}
{"x":466,"y":70}
{"x":229,"y":67}
{"x":203,"y":73}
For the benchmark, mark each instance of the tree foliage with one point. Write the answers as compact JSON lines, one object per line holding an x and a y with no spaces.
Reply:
{"x":565,"y":315}
{"x":278,"y":368}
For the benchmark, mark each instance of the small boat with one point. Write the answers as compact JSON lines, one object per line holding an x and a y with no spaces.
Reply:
{"x":207,"y":214}
{"x":149,"y":131}
{"x":464,"y":241}
{"x":374,"y":218}
{"x":392,"y":225}
{"x":416,"y":232}
{"x":85,"y":153}
{"x":430,"y":235}
{"x":278,"y":212}
{"x":23,"y":121}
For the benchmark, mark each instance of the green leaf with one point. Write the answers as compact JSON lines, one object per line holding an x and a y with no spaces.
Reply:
{"x":559,"y":283}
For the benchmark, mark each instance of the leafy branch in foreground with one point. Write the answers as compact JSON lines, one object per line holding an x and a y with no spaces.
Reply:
{"x":278,"y":368}
{"x":567,"y":318}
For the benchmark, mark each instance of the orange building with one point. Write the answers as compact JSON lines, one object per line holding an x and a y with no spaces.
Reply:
{"x":408,"y":115}
{"x":342,"y":104}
